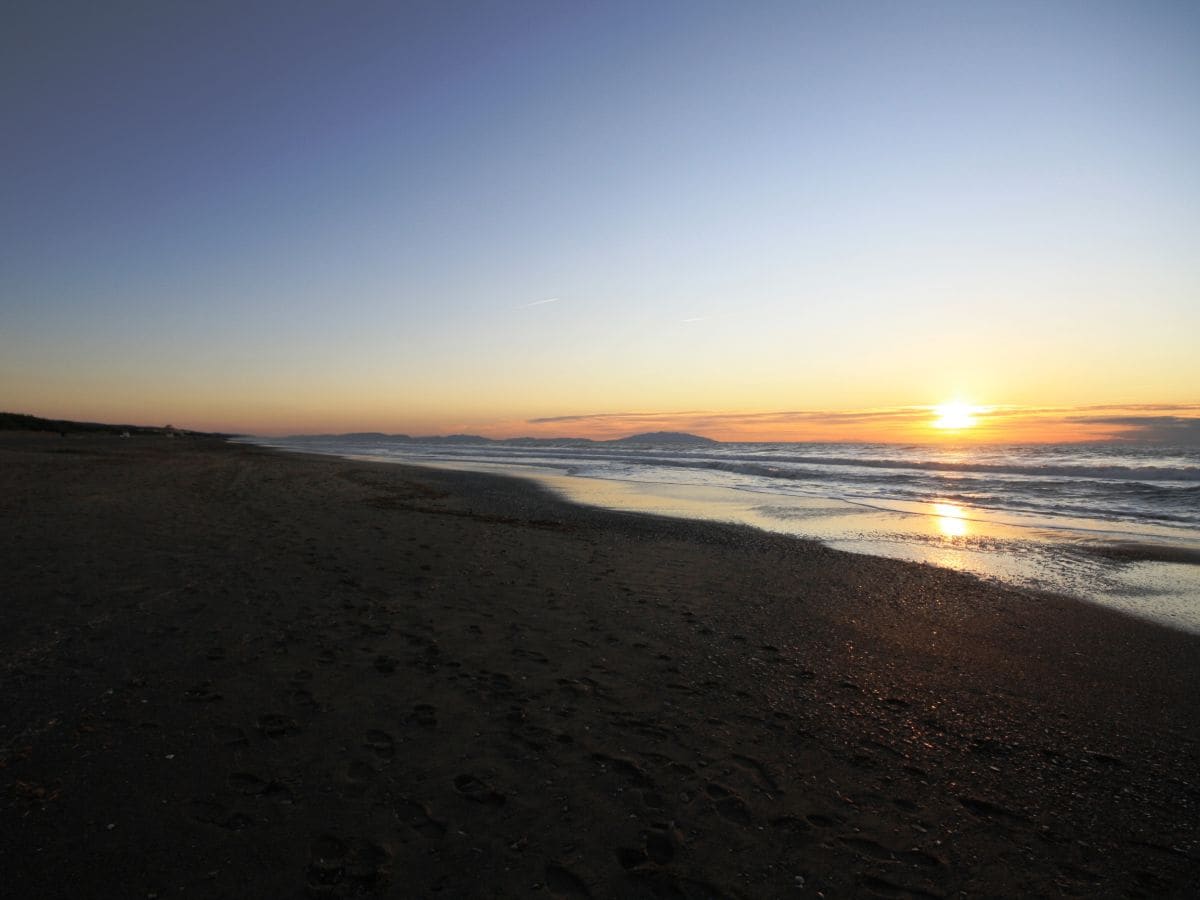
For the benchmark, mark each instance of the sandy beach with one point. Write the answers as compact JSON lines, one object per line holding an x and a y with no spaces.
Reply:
{"x":228,"y":671}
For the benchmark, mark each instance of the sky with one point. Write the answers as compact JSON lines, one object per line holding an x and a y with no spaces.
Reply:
{"x":757,"y":220}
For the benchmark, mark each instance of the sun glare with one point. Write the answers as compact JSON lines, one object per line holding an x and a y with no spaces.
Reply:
{"x":950,"y":519}
{"x":954,"y":416}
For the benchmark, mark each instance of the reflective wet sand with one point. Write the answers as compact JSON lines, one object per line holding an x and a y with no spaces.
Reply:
{"x":1150,"y":571}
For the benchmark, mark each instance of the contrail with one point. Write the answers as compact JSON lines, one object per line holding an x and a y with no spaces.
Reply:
{"x":538,"y":303}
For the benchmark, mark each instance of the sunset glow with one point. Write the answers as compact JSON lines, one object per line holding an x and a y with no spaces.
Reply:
{"x":954,"y":416}
{"x":766,"y":222}
{"x":529,"y":419}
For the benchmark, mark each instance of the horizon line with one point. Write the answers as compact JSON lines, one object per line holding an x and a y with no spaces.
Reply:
{"x":1168,"y":423}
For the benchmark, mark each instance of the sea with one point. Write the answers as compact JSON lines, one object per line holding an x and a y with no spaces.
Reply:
{"x":1112,"y":523}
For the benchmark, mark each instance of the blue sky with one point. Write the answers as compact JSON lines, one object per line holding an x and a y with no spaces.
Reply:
{"x":260,"y":216}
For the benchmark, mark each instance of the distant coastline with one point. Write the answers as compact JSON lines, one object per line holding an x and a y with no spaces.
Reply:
{"x":647,"y":438}
{"x":10,"y":421}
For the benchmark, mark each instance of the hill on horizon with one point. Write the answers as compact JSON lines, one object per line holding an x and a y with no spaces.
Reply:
{"x":663,"y":437}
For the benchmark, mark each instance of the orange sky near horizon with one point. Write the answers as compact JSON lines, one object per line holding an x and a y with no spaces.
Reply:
{"x":912,"y":424}
{"x":777,"y":221}
{"x":918,"y":423}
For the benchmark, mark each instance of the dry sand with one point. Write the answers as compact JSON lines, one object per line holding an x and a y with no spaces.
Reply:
{"x":230,"y":672}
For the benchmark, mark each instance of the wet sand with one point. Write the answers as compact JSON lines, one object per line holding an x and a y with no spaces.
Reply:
{"x":227,"y":671}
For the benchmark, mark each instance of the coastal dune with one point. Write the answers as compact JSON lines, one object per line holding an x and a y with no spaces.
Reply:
{"x":231,"y":671}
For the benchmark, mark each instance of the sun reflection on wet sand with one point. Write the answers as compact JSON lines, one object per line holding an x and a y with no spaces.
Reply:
{"x":1032,"y":552}
{"x":951,"y":520}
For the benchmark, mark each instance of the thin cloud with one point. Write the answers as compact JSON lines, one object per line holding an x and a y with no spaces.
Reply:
{"x":600,"y":417}
{"x":906,"y":413}
{"x":708,"y":317}
{"x":1147,"y":421}
{"x":1153,"y":429}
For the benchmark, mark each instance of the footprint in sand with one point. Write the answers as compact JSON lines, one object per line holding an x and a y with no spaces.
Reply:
{"x":250,"y":785}
{"x":631,"y":857}
{"x":867,"y":847}
{"x":660,"y":847}
{"x":416,"y":816}
{"x":564,"y":883}
{"x":212,"y":813}
{"x":327,"y":861}
{"x":362,"y":864}
{"x":424,"y":714}
{"x":626,"y":767}
{"x":359,"y":776}
{"x":382,"y":743}
{"x":758,"y":771}
{"x":881,"y":887}
{"x":246,"y":784}
{"x":277,"y":725}
{"x":302,"y":697}
{"x":652,"y":799}
{"x":799,"y":830}
{"x":987,"y":810}
{"x":204,"y":692}
{"x":475,"y":789}
{"x":728,"y":804}
{"x":230,"y":735}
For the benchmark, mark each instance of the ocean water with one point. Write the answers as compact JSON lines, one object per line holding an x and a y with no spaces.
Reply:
{"x":1114,"y":523}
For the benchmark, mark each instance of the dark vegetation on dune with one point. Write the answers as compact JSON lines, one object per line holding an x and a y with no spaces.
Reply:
{"x":22,"y":422}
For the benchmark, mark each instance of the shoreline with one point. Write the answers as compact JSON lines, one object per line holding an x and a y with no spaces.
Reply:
{"x":1144,"y":572}
{"x":296,"y":675}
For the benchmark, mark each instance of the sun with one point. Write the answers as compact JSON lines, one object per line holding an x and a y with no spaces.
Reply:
{"x":954,"y":416}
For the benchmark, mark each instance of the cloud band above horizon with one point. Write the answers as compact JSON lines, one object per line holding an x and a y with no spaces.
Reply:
{"x":1171,"y":423}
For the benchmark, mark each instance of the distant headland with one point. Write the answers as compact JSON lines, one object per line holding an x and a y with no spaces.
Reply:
{"x":645,"y":439}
